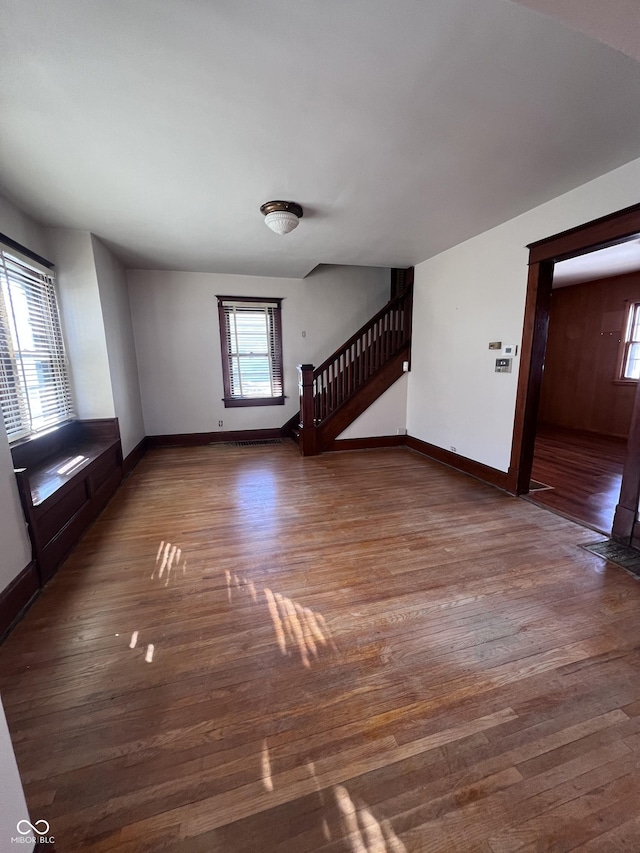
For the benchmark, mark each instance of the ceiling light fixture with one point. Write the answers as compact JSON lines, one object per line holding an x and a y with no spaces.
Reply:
{"x":281,"y":216}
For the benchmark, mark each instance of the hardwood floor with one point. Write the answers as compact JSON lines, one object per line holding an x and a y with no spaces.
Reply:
{"x":585,"y":472}
{"x":361,"y":651}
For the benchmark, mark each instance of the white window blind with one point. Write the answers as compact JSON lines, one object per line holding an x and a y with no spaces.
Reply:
{"x":34,"y":385}
{"x":252,"y":350}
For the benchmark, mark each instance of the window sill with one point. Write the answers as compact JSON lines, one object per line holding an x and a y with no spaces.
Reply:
{"x":35,"y":436}
{"x":236,"y":402}
{"x":624,"y":381}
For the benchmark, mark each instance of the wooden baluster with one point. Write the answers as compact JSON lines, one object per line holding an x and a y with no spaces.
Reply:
{"x":365,"y":356}
{"x":332,"y":386}
{"x":385,"y":339}
{"x":351,"y":354}
{"x":307,"y":422}
{"x":325,"y":401}
{"x":347,"y":370}
{"x":317,"y":399}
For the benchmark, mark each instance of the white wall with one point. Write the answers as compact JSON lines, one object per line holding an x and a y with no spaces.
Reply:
{"x":175,"y":321}
{"x":118,"y":329}
{"x":385,"y":416}
{"x":475,"y":293}
{"x":18,"y":226}
{"x":15,"y":548}
{"x":82,"y":324}
{"x":13,"y":807}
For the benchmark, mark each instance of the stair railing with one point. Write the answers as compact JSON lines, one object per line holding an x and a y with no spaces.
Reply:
{"x":325,"y":388}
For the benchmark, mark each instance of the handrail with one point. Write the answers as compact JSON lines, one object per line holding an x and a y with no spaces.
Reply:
{"x":390,"y":306}
{"x":367,"y":353}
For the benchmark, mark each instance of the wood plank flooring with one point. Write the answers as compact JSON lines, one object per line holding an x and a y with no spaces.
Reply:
{"x":362,"y":651}
{"x":585,"y":472}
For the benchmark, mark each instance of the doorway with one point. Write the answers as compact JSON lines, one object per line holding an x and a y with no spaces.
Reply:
{"x":588,"y":385}
{"x":544,"y":255}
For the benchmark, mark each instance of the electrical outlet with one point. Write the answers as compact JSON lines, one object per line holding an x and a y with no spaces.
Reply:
{"x":220,"y":423}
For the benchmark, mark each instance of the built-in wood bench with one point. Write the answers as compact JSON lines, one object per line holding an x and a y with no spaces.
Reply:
{"x":65,"y":478}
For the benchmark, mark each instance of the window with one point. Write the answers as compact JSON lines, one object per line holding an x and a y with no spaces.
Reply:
{"x":630,"y":361}
{"x":34,"y":385}
{"x":251,"y":341}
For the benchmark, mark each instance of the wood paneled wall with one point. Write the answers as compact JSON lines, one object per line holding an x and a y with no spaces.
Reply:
{"x":586,"y":325}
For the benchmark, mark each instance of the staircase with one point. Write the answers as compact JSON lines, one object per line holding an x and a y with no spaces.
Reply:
{"x":334,"y":394}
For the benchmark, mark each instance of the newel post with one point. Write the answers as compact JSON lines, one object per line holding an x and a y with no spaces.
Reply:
{"x":307,"y":422}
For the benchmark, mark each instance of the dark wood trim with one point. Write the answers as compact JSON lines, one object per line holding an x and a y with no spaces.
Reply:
{"x":132,"y":459}
{"x":239,"y":402}
{"x":534,"y":341}
{"x":401,"y":279}
{"x":606,"y":231}
{"x":367,"y":443}
{"x":24,"y":445}
{"x":277,"y":362}
{"x":194,"y":439}
{"x":18,"y":247}
{"x":59,"y":502}
{"x":626,"y":514}
{"x":292,"y":427}
{"x":308,"y":433}
{"x":16,"y":598}
{"x":263,"y":300}
{"x":362,"y":398}
{"x":466,"y":466}
{"x":393,"y":303}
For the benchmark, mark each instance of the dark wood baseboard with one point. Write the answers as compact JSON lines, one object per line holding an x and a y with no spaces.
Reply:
{"x":467,"y":466}
{"x":17,"y":597}
{"x":193,"y":439}
{"x":130,"y":462}
{"x":367,"y":443}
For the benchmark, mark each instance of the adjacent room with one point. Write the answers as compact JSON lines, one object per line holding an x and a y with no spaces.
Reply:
{"x":589,"y":384}
{"x":298,"y":301}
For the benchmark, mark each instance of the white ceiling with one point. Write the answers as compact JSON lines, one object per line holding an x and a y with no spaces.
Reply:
{"x":603,"y":263}
{"x":402,"y":127}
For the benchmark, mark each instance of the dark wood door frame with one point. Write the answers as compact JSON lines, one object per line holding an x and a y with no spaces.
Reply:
{"x":543,"y":254}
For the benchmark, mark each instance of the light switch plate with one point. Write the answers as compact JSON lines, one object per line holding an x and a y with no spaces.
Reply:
{"x":509,"y":350}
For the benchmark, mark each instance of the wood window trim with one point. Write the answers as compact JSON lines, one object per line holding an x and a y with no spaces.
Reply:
{"x":34,"y":375}
{"x":229,"y":400}
{"x":630,"y":307}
